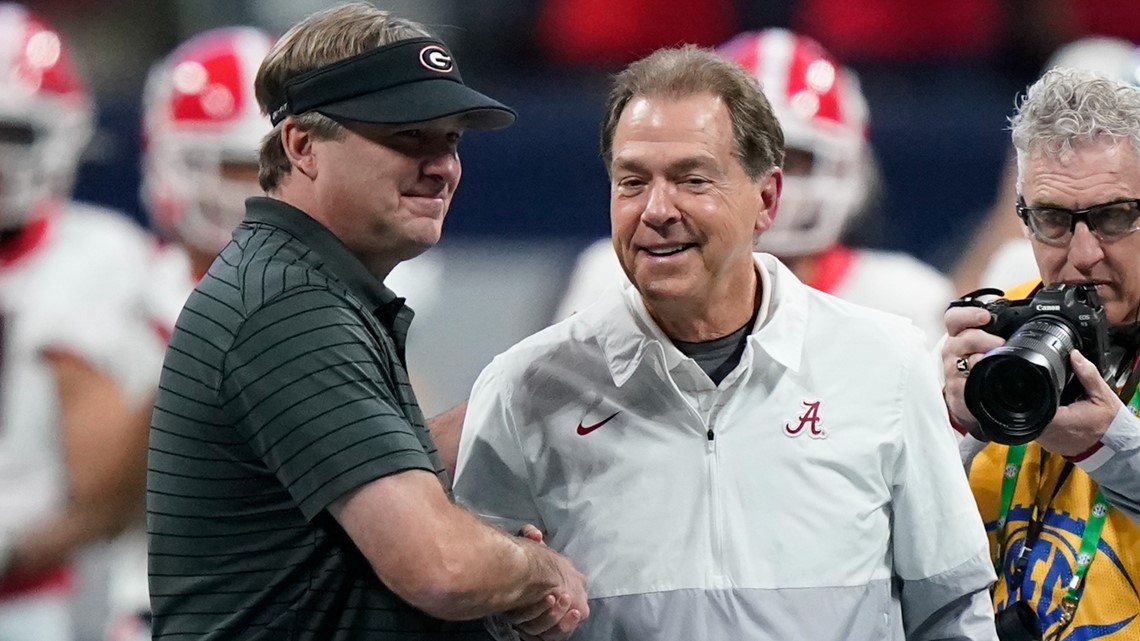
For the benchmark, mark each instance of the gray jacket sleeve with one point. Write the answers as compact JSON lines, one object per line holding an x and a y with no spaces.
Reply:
{"x":953,"y":606}
{"x":939,"y":544}
{"x":1115,"y":464}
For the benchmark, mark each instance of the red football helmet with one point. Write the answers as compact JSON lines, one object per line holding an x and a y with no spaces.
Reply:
{"x":202,"y":129}
{"x":46,"y":117}
{"x":824,"y":117}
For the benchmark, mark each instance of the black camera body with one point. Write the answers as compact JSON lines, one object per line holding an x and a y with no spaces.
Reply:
{"x":1018,"y":622}
{"x":1015,"y":389}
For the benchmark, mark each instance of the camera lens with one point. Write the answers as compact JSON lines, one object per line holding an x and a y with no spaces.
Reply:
{"x":1015,"y":389}
{"x":1013,"y":398}
{"x":1018,"y":386}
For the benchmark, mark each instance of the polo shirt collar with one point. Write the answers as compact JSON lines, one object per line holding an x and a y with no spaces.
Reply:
{"x":337,"y":258}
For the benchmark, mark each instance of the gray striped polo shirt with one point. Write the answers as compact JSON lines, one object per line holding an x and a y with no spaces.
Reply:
{"x":283,"y":388}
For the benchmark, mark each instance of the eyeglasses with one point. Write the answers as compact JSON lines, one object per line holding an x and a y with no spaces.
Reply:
{"x":1107,"y":221}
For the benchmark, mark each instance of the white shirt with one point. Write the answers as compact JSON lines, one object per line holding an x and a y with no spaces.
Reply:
{"x":778,"y":505}
{"x":80,"y":290}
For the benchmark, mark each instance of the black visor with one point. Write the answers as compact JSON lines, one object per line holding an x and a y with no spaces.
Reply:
{"x":405,"y":82}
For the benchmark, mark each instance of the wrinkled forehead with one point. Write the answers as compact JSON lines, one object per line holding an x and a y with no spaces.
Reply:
{"x":1079,"y":160}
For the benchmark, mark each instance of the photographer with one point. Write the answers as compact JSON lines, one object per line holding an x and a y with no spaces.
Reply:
{"x":1064,"y":517}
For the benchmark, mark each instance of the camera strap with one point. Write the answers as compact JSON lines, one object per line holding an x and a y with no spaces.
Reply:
{"x":1012,"y":471}
{"x":1090,"y":538}
{"x":1013,"y":459}
{"x":1129,"y":390}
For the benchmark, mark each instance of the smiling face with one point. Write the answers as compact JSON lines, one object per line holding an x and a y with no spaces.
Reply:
{"x":684,"y":213}
{"x":389,"y":187}
{"x":1096,"y":173}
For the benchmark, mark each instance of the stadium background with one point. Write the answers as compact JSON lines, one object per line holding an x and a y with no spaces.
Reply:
{"x":941,"y":77}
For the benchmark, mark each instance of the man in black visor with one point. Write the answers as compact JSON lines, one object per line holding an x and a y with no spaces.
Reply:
{"x":294,"y":491}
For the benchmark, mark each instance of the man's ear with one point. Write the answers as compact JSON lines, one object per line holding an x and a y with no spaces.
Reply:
{"x":298,"y":146}
{"x":769,"y":195}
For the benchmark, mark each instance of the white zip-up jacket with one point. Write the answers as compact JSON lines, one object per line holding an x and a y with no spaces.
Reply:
{"x":816,"y":494}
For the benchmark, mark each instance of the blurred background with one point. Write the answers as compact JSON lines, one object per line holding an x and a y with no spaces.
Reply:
{"x":941,"y":78}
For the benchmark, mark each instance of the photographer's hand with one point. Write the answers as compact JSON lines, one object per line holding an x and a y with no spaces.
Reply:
{"x":965,"y":341}
{"x":1079,"y":425}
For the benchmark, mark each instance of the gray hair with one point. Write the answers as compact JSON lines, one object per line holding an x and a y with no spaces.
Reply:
{"x":323,"y":38}
{"x":690,"y":70}
{"x":1069,"y":108}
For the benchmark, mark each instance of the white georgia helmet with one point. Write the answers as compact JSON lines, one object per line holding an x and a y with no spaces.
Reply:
{"x":1116,"y":58}
{"x":46,"y":115}
{"x":824,"y":115}
{"x":200,"y":112}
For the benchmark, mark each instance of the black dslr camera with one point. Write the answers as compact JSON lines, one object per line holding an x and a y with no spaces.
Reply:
{"x":1018,"y":622}
{"x":1015,"y":389}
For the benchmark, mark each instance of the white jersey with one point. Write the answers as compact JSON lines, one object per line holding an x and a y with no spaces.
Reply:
{"x":71,"y":281}
{"x":893,"y":282}
{"x":888,"y":281}
{"x":170,"y":282}
{"x":815,"y":493}
{"x":1012,"y":263}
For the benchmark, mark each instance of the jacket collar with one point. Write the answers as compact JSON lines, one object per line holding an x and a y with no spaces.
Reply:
{"x":628,"y":333}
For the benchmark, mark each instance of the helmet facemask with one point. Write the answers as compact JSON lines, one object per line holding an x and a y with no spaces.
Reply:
{"x":825,"y":184}
{"x":46,"y":118}
{"x":203,"y":129}
{"x":197,"y":191}
{"x":823,"y":114}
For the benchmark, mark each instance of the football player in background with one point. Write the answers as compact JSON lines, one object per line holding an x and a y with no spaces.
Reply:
{"x":828,"y":177}
{"x":202,"y":128}
{"x":74,"y":365}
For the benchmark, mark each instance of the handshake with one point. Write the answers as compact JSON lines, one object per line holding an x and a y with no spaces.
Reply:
{"x":558,"y":614}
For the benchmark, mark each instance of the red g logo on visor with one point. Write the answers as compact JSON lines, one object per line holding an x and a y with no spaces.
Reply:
{"x":436,"y":58}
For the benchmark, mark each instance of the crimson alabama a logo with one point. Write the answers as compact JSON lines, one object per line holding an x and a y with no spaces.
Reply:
{"x":808,"y":422}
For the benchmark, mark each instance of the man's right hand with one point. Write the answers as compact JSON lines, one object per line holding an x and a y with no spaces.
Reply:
{"x":559,"y":613}
{"x":966,"y":341}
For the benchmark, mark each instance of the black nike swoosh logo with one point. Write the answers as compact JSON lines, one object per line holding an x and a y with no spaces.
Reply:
{"x":586,"y":429}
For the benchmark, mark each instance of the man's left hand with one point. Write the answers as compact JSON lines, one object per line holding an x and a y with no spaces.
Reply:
{"x":1079,"y":425}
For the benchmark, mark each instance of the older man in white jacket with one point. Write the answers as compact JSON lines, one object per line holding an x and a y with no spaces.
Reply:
{"x":723,"y":451}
